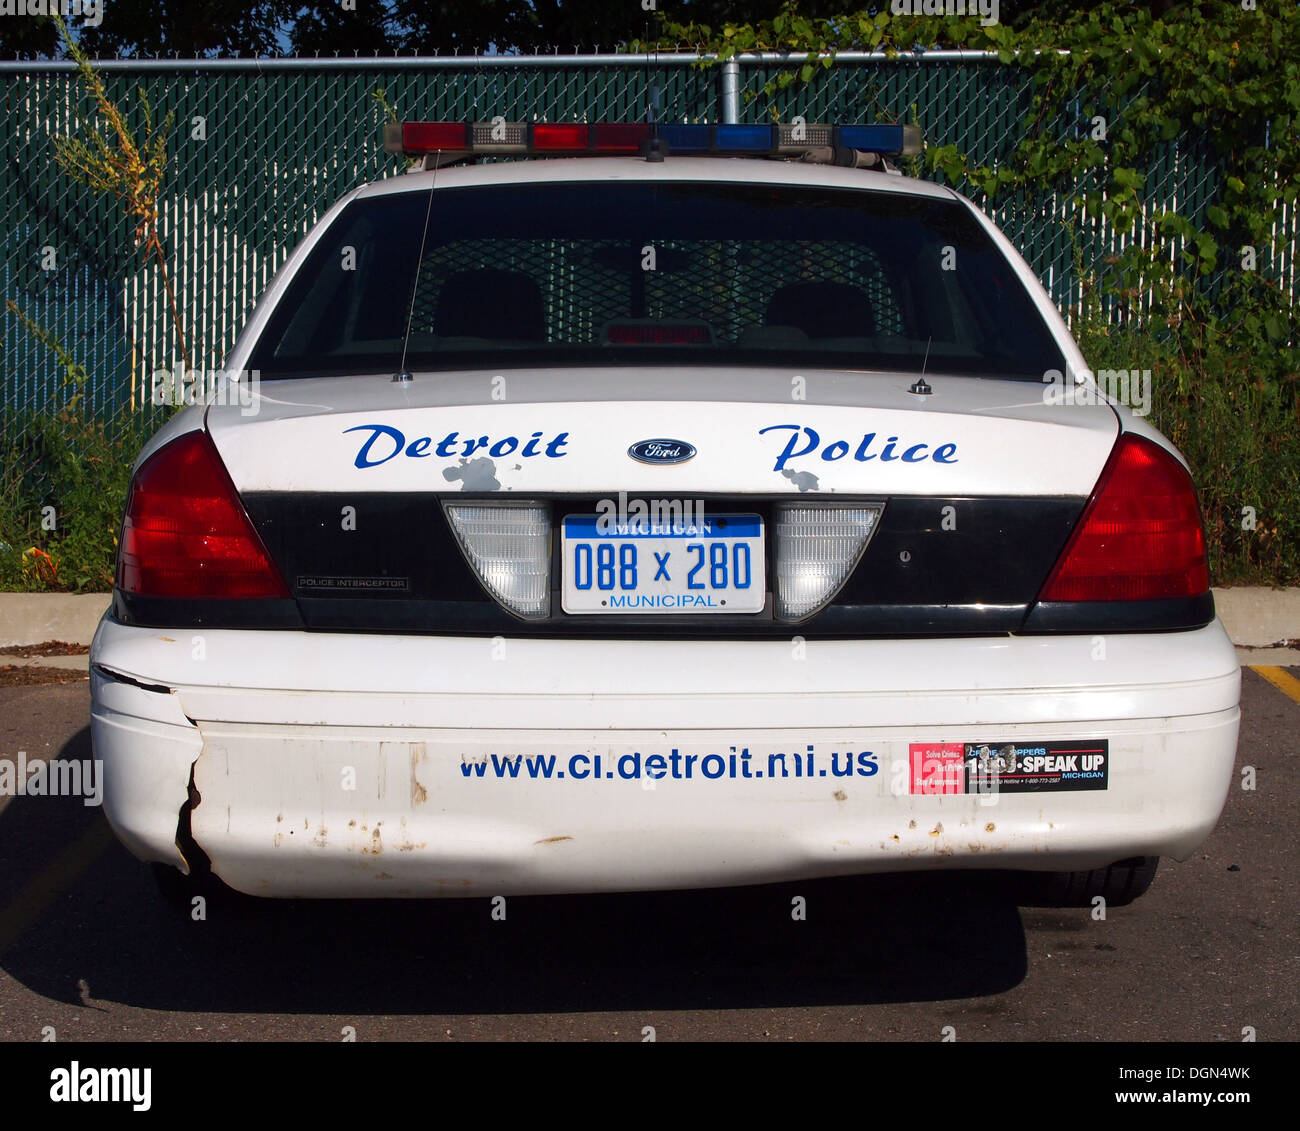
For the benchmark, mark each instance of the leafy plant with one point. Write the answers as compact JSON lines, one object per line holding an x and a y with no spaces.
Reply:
{"x":63,"y":485}
{"x":74,"y":373}
{"x":64,"y":475}
{"x":109,"y":159}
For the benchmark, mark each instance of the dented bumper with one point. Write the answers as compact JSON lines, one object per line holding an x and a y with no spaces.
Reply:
{"x":344,"y":765}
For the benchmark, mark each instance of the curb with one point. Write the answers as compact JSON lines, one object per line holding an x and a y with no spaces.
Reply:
{"x":1260,"y":618}
{"x":34,"y":618}
{"x":1255,"y":617}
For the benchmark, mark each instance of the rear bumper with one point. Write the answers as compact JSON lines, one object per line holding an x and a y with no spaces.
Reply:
{"x":349,"y":765}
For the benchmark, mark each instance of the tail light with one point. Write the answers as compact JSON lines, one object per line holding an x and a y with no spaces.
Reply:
{"x":186,"y":534}
{"x":1140,"y":537}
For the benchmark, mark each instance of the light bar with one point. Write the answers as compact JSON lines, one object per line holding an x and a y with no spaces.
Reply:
{"x":416,"y":139}
{"x":500,"y":133}
{"x":902,"y":140}
{"x":509,"y":546}
{"x":817,"y":547}
{"x":562,"y":136}
{"x":744,"y":139}
{"x":798,"y":137}
{"x":432,"y":136}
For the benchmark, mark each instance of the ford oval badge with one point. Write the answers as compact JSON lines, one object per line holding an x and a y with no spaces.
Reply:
{"x":661,"y":451}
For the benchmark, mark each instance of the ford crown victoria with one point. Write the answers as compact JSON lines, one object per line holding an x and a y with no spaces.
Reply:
{"x":666,"y":508}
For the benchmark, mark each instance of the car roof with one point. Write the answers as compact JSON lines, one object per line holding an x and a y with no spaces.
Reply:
{"x":715,"y":170}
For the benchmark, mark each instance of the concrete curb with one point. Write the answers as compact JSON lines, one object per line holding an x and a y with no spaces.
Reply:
{"x":1259,"y":618}
{"x":1254,"y":617}
{"x":1269,"y":657}
{"x":34,"y":618}
{"x":71,"y":663}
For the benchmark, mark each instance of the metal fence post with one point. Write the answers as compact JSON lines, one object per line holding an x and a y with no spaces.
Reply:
{"x":731,"y":90}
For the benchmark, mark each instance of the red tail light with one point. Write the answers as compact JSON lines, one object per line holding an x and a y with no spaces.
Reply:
{"x":1140,"y":537}
{"x":186,"y":533}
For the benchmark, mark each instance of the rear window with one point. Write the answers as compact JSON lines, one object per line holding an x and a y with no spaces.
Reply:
{"x":618,"y":273}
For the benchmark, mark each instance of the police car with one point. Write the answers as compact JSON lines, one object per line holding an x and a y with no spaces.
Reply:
{"x":676,"y":506}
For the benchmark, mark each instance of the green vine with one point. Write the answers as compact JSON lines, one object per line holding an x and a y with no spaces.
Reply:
{"x":1112,"y":97}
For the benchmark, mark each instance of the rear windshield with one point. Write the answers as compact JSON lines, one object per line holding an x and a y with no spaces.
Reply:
{"x":600,"y":273}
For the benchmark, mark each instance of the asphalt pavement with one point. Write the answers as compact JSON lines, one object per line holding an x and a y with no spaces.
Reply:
{"x":90,"y":952}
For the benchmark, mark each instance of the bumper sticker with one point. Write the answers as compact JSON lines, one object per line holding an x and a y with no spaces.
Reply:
{"x":1010,"y":767}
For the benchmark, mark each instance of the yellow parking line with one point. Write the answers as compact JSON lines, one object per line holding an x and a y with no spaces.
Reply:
{"x":40,"y":891}
{"x":1283,"y":680}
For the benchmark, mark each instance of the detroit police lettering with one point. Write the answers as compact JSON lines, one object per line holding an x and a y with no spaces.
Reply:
{"x":386,"y":442}
{"x":804,"y":441}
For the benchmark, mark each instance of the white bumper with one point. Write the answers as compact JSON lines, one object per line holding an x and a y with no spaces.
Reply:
{"x":358,"y":765}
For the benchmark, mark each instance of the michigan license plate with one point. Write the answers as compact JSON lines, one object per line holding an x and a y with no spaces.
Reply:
{"x":711,"y":565}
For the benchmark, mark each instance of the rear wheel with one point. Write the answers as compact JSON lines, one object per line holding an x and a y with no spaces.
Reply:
{"x":1117,"y":884}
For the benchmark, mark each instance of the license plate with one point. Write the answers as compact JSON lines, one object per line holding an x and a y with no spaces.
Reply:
{"x":712,"y":565}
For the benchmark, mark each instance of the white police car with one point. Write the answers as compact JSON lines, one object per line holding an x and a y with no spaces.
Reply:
{"x":648,"y":519}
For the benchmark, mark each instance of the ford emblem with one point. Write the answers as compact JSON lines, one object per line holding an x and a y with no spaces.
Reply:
{"x":661,"y":451}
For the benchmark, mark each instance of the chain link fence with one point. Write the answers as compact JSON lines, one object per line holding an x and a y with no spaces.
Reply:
{"x":259,"y":149}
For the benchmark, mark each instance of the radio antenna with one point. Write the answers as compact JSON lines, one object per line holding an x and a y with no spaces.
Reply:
{"x":920,"y":387}
{"x":402,"y":376}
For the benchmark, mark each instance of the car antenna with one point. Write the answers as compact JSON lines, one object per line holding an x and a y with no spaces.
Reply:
{"x":403,"y":376}
{"x":920,"y":387}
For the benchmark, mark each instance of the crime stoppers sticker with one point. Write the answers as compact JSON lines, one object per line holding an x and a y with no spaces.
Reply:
{"x":1009,"y":767}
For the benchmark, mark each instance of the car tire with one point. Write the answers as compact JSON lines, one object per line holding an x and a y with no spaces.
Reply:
{"x":1118,"y":884}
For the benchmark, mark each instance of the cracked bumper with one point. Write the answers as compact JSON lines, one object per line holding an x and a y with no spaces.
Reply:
{"x":343,"y":765}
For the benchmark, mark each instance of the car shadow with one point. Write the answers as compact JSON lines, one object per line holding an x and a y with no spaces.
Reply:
{"x":85,"y":923}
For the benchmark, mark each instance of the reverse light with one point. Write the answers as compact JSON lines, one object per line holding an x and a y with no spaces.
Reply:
{"x":817,"y":547}
{"x":509,"y":547}
{"x":186,"y":534}
{"x":1140,"y":537}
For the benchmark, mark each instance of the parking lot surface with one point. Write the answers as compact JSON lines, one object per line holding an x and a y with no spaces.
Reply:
{"x":88,"y":948}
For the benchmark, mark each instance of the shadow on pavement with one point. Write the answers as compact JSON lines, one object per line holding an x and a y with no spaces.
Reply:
{"x":872,"y":939}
